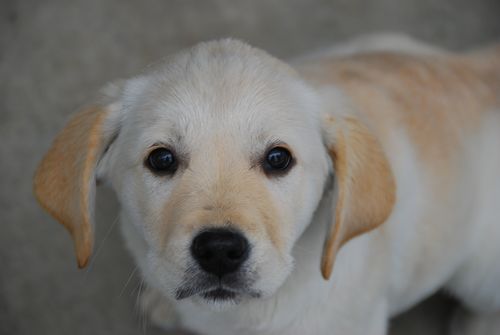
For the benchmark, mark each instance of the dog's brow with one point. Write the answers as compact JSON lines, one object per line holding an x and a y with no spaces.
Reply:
{"x":161,"y":144}
{"x":174,"y":140}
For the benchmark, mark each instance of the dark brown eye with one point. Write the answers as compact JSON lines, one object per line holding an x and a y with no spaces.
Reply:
{"x":278,"y":160}
{"x":162,"y":161}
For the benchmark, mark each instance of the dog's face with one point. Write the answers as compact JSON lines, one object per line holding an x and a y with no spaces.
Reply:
{"x":221,"y":164}
{"x":219,"y":157}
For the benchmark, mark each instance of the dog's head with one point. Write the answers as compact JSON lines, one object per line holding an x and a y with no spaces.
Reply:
{"x":220,"y":157}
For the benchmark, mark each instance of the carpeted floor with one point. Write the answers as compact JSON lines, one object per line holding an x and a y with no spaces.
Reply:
{"x":55,"y":54}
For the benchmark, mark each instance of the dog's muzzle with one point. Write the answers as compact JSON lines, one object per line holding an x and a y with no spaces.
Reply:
{"x":219,"y":272}
{"x":220,"y":251}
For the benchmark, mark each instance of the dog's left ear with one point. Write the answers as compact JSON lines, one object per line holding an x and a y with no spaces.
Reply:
{"x":363,"y":183}
{"x":65,"y":181}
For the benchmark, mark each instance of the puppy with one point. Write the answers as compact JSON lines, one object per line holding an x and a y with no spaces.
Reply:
{"x":241,"y":176}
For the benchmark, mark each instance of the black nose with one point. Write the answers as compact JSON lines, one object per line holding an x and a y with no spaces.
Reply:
{"x":220,"y":251}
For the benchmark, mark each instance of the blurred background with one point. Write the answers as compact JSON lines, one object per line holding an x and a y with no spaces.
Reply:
{"x":56,"y":54}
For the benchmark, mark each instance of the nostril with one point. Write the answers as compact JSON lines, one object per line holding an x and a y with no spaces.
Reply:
{"x":220,"y":251}
{"x":234,"y":254}
{"x":237,"y":251}
{"x":205,"y":254}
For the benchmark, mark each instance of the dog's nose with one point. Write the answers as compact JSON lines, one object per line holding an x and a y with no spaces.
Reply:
{"x":220,"y":251}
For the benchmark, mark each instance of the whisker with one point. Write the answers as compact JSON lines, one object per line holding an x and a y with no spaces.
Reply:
{"x":99,"y":248}
{"x":138,"y":308}
{"x":128,"y":281}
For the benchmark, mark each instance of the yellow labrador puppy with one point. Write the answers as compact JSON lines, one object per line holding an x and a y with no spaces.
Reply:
{"x":241,"y":176}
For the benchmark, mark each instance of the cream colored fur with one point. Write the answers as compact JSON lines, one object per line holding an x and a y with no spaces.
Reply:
{"x":396,"y":184}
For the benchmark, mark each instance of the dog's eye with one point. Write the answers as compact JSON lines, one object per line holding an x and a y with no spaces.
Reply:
{"x":277,"y":160}
{"x":162,"y":161}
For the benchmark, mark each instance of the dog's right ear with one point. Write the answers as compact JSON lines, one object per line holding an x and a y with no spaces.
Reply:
{"x":65,"y":181}
{"x":364,"y":184}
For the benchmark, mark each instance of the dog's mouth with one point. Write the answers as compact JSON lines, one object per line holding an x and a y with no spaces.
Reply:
{"x":210,"y":288}
{"x":219,"y":294}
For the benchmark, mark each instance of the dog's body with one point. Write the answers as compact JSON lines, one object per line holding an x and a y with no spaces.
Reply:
{"x":417,"y":202}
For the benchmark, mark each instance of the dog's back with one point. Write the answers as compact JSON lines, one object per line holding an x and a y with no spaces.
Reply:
{"x":437,"y":115}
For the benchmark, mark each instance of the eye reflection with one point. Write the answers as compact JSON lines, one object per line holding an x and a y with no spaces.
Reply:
{"x":277,"y":160}
{"x":162,"y":161}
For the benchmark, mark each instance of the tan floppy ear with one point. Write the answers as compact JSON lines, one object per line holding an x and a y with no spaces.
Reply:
{"x":364,"y":185}
{"x":65,"y":180}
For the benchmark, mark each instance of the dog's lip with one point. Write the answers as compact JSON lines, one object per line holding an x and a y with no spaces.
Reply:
{"x":216,"y":293}
{"x":228,"y":287}
{"x":219,"y":294}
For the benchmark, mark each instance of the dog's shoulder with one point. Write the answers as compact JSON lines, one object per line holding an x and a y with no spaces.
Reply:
{"x":438,"y":98}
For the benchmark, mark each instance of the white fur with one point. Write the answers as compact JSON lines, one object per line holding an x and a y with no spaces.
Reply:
{"x":226,"y":90}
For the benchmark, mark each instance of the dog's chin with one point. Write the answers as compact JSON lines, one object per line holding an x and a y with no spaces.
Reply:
{"x":221,"y":298}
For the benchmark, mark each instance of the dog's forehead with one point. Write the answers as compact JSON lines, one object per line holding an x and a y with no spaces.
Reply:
{"x":223,"y":87}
